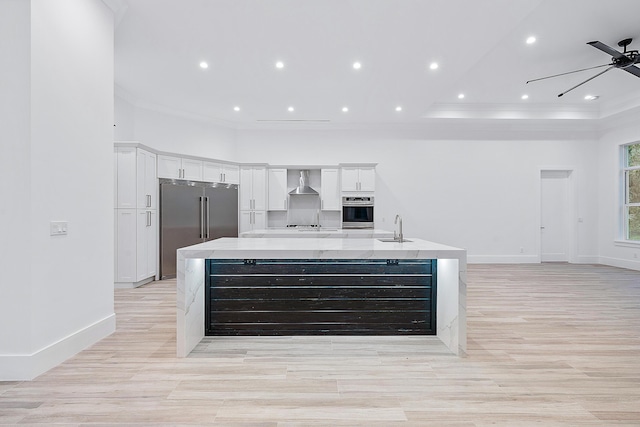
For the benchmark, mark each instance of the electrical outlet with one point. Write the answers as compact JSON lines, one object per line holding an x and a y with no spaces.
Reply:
{"x":635,"y":255}
{"x":58,"y":228}
{"x":521,"y":250}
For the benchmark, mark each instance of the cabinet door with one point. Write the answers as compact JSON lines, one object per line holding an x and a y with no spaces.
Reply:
{"x":126,"y":245}
{"x":246,"y":189}
{"x":169,"y":167}
{"x":192,"y":169}
{"x":246,"y":221}
{"x":146,"y":244}
{"x":259,"y":220}
{"x":260,"y":189}
{"x":126,"y":178}
{"x":367,"y":178}
{"x":277,"y":190}
{"x":330,"y":190}
{"x":231,"y":174}
{"x":349,"y":179}
{"x":151,"y":181}
{"x":145,"y":180}
{"x":212,"y":172}
{"x":151,"y":242}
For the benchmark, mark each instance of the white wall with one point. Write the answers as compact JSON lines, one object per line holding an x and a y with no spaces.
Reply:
{"x":66,"y":176}
{"x":124,"y":120}
{"x":616,"y":132}
{"x":15,"y":208}
{"x":482,"y":195}
{"x":183,"y":135}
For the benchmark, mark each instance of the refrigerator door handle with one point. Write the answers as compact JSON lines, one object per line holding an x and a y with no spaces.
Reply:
{"x":206,"y":200}
{"x":201,"y":217}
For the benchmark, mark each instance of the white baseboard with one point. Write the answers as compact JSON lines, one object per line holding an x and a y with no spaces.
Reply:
{"x":588,"y":259}
{"x":621,"y":263}
{"x":502,"y":259}
{"x":25,"y":367}
{"x":131,"y":285}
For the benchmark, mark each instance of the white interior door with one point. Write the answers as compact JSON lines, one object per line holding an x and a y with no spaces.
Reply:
{"x":554,"y":224}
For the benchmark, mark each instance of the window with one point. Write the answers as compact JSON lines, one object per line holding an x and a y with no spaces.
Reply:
{"x":631,"y":211}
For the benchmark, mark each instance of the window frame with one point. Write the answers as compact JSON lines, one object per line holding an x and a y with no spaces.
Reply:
{"x":625,"y":205}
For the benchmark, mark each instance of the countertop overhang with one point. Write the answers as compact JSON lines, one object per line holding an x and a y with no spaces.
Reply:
{"x":319,"y":248}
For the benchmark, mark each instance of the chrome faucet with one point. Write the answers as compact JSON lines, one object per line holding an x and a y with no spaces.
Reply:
{"x":399,"y":237}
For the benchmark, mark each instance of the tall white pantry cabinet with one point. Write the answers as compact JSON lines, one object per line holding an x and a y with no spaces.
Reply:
{"x":136,"y":217}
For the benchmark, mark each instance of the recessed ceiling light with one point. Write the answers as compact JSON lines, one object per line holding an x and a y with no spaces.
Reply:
{"x":531,"y":40}
{"x":398,"y":108}
{"x":433,"y":66}
{"x":461,"y":96}
{"x":357,"y":65}
{"x":236,"y":108}
{"x":204,"y":65}
{"x":345,"y":109}
{"x":525,"y":96}
{"x":591,"y":97}
{"x":280,"y":64}
{"x":290,"y":109}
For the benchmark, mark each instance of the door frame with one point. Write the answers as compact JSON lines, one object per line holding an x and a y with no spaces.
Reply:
{"x":571,"y":213}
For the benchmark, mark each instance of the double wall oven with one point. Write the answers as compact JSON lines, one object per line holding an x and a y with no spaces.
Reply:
{"x":357,"y":212}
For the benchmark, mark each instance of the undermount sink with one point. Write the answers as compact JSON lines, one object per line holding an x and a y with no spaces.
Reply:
{"x":390,"y":240}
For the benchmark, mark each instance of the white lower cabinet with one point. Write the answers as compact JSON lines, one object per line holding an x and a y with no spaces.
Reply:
{"x":146,"y":247}
{"x":253,"y":220}
{"x":136,"y":246}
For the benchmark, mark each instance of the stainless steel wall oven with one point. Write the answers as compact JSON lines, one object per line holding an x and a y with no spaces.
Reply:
{"x":357,"y":212}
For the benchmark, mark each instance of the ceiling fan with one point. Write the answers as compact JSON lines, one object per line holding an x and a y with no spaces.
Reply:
{"x":624,"y":60}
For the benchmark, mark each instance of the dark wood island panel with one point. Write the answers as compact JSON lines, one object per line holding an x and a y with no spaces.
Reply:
{"x":314,"y":297}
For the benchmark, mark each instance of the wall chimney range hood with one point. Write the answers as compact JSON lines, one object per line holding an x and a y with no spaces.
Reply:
{"x":303,"y":186}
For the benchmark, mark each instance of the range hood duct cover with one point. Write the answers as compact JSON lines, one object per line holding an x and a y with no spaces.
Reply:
{"x":303,"y":187}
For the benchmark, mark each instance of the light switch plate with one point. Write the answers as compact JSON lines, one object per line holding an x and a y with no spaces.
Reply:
{"x":58,"y":228}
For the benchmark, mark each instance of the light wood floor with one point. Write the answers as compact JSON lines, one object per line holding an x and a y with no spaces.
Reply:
{"x":549,"y":345}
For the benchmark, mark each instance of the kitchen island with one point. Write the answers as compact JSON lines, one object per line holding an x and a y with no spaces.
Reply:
{"x":450,"y":263}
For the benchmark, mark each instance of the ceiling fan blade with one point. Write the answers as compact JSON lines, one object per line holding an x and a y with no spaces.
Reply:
{"x":632,"y":69}
{"x":611,"y":51}
{"x":588,"y":80}
{"x":569,"y":72}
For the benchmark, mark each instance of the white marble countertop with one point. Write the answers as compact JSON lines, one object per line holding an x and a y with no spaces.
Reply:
{"x":319,"y":248}
{"x":319,"y":233}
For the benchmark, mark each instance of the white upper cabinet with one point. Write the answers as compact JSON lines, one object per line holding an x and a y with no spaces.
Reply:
{"x":146,"y":181}
{"x":330,"y":190}
{"x":253,"y":188}
{"x":231,"y":174}
{"x":126,"y":178}
{"x":169,"y":167}
{"x":358,"y":178}
{"x":367,"y":179}
{"x":220,"y":172}
{"x":192,"y":169}
{"x":278,"y":196}
{"x":136,"y":181}
{"x":179,"y":168}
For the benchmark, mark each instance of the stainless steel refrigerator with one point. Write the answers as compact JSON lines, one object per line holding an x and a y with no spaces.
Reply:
{"x":191,"y":213}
